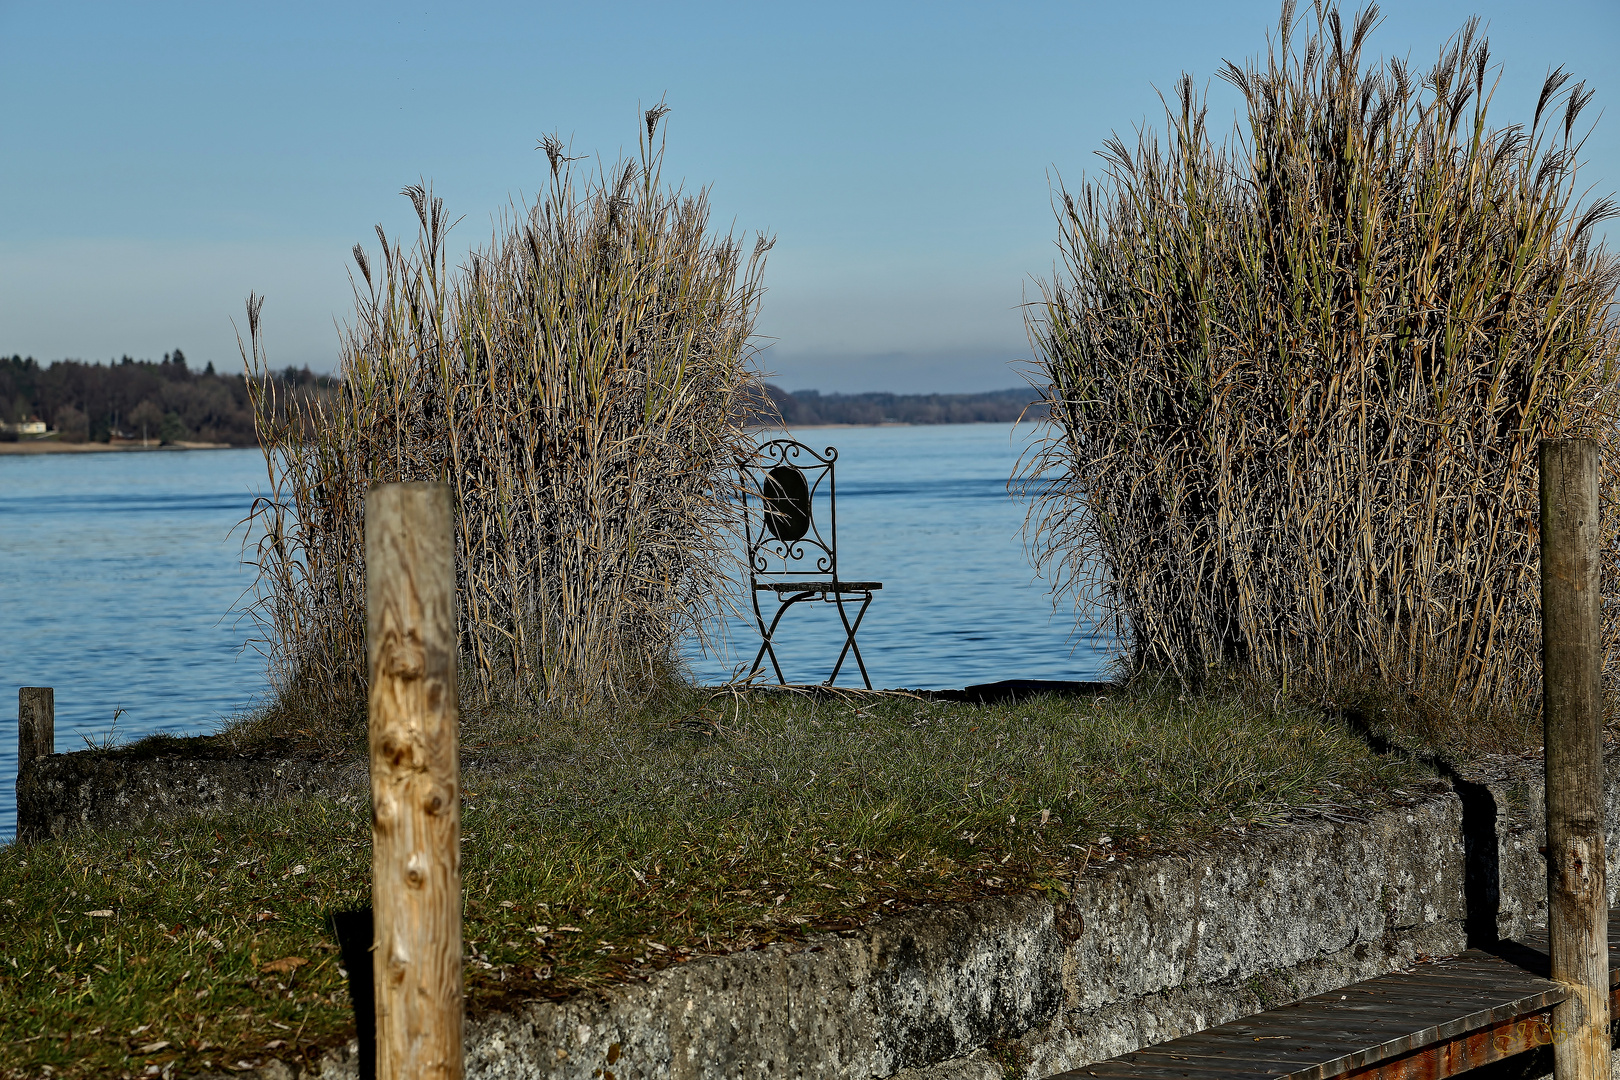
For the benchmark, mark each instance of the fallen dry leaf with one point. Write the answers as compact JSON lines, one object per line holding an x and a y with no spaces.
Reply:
{"x":285,"y":964}
{"x":104,"y":913}
{"x":152,"y":1048}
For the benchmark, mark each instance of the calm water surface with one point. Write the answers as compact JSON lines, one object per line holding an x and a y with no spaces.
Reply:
{"x":121,"y":580}
{"x":118,"y":576}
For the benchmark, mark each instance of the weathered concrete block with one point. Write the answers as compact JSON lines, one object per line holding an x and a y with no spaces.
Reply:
{"x":1138,"y":954}
{"x":905,"y":991}
{"x":126,"y":786}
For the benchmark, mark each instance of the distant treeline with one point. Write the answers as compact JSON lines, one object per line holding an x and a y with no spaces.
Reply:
{"x":135,"y":399}
{"x":807,"y":407}
{"x":170,"y":402}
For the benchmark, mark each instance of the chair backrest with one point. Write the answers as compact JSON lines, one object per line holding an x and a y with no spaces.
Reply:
{"x":785,"y":485}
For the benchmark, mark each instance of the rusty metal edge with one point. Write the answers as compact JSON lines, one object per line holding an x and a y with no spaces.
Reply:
{"x":1459,"y":1054}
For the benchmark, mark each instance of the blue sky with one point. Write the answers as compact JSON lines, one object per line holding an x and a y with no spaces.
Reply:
{"x":158,"y":161}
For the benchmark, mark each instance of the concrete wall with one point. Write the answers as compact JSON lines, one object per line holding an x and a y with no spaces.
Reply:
{"x":1137,"y":954}
{"x":127,"y":786}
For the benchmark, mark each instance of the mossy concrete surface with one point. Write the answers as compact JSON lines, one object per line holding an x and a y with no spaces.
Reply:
{"x":1142,"y":953}
{"x":129,"y":785}
{"x":1136,"y":954}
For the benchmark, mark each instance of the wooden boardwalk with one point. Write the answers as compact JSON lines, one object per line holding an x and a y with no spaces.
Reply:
{"x":1432,"y":1021}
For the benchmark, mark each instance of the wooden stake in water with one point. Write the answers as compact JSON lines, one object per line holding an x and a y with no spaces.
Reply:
{"x":415,"y":780}
{"x":1571,"y":664}
{"x":36,"y":723}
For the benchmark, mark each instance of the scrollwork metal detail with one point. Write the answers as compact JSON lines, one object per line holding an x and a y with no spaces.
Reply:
{"x":813,"y":552}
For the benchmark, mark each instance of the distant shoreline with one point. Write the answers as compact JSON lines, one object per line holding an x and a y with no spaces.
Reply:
{"x":763,"y":404}
{"x":887,"y":423}
{"x":50,"y":446}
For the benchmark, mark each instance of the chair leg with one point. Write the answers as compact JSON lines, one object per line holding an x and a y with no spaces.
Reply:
{"x":849,"y":638}
{"x":767,"y":644}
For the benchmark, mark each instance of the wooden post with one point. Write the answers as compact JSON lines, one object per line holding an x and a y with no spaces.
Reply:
{"x":1572,"y":709}
{"x":415,"y":781}
{"x":36,"y":723}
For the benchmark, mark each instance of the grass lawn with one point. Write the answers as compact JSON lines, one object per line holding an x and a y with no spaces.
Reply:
{"x":592,"y":857}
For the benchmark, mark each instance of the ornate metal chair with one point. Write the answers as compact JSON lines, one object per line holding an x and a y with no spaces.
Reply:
{"x":785,"y":482}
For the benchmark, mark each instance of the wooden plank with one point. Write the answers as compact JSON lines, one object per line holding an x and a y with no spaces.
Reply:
{"x":1469,"y":998}
{"x":1351,"y":1027}
{"x":1457,"y":988}
{"x":1360,"y":1028}
{"x":1118,"y":1067}
{"x":1484,"y":972}
{"x":1162,"y":1058}
{"x":1327,"y":1058}
{"x":1482,"y":1045}
{"x":1410,"y":1016}
{"x":1460,"y":988}
{"x":1272,"y":1062}
{"x":1475,"y":963}
{"x":1423,"y":1024}
{"x":1476,"y":974}
{"x":1285,"y":1053}
{"x":1304,"y":1050}
{"x":1385,"y":1023}
{"x":1498,"y":977}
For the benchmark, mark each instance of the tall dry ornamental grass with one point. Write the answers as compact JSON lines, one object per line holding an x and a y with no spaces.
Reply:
{"x":1298,"y":380}
{"x":574,"y":382}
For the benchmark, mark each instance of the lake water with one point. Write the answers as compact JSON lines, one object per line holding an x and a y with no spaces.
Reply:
{"x":121,"y":576}
{"x":118,"y":578}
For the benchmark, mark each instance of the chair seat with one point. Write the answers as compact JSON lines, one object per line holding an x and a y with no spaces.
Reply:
{"x":822,"y":586}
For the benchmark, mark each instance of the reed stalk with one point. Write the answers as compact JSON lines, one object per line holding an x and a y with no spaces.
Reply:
{"x":1298,"y":379}
{"x":574,"y":381}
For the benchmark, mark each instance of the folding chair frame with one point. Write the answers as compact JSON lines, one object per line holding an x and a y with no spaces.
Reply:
{"x":783,"y":479}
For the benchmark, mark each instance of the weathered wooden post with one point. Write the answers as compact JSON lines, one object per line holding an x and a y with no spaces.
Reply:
{"x":36,"y":723}
{"x":1572,"y":709}
{"x":415,"y":781}
{"x":36,"y":738}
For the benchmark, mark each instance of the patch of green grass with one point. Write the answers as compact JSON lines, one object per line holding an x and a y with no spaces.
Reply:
{"x":597,"y":856}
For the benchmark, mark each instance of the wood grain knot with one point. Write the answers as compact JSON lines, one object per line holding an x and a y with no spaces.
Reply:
{"x":396,"y":751}
{"x":403,"y":656}
{"x":1577,"y":873}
